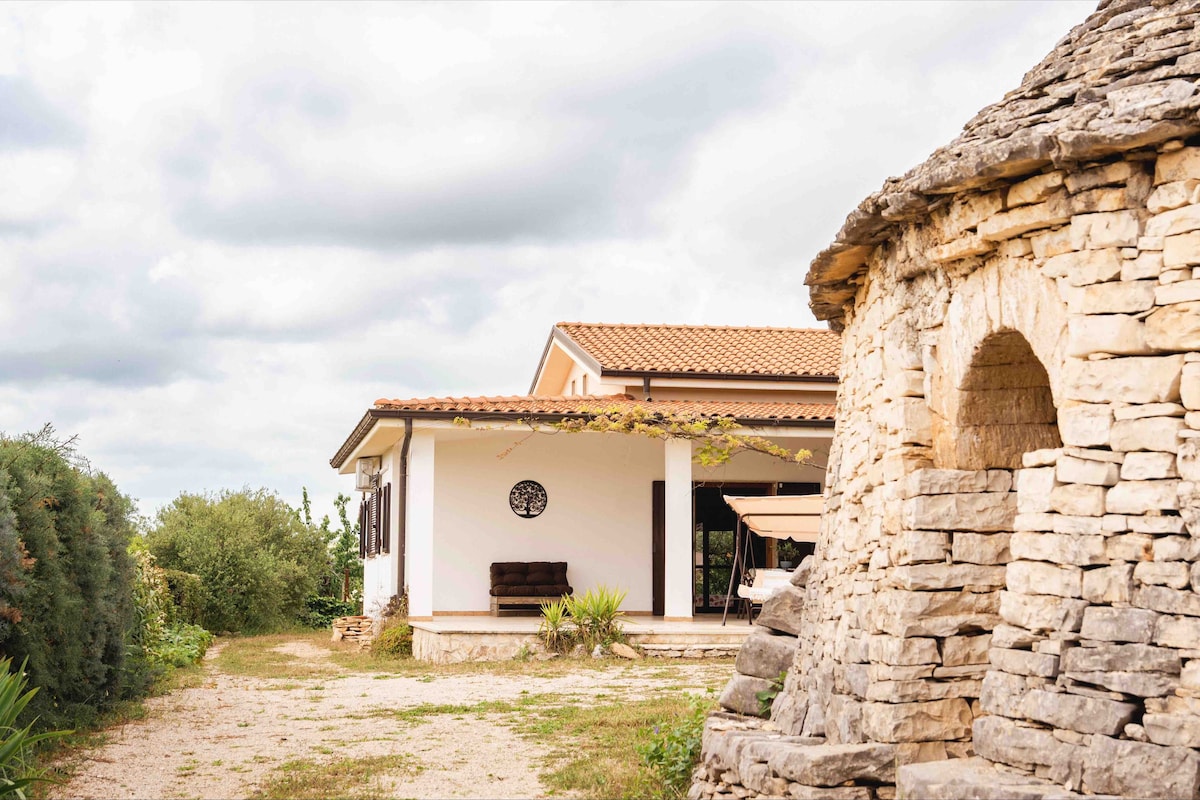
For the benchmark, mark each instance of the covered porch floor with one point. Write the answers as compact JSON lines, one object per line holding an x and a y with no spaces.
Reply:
{"x":452,"y":639}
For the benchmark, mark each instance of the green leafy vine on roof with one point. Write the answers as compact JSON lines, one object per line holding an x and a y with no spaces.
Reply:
{"x":720,"y":438}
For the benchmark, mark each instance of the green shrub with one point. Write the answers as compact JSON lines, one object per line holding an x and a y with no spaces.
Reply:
{"x":67,"y":591}
{"x":674,"y":751}
{"x":256,"y":560}
{"x":320,"y":612}
{"x":187,"y":595}
{"x":555,"y":630}
{"x":766,"y":698}
{"x":394,"y":641}
{"x":596,"y":616}
{"x":17,"y":767}
{"x":182,"y":644}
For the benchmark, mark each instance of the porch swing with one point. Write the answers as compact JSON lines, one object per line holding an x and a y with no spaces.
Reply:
{"x":794,"y":517}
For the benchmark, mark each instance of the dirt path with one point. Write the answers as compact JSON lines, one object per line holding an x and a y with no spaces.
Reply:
{"x":223,"y":738}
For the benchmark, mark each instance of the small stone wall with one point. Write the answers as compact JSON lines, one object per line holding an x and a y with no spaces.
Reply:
{"x":357,"y":629}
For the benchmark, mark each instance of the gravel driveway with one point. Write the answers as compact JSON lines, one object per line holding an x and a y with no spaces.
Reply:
{"x":223,"y":738}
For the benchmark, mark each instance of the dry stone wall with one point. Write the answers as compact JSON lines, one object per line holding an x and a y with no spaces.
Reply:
{"x":1009,"y":563}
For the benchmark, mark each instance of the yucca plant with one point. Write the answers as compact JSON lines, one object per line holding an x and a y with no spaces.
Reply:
{"x":17,"y":768}
{"x":596,"y":613}
{"x":556,"y":629}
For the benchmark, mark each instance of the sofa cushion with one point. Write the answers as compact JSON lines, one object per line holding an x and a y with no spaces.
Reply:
{"x":529,"y":579}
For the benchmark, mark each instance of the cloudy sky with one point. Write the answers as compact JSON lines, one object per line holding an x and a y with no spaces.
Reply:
{"x":225,"y":229}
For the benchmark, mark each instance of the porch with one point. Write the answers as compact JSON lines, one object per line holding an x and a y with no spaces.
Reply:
{"x":452,"y":639}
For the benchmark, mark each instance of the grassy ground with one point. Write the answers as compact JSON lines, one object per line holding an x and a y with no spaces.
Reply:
{"x":594,"y":740}
{"x":595,"y":743}
{"x":305,"y":779}
{"x":596,"y":747}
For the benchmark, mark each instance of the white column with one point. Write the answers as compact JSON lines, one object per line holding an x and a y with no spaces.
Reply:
{"x":419,"y":563}
{"x":677,"y":580}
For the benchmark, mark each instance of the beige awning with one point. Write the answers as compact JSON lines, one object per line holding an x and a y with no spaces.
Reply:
{"x":795,"y":517}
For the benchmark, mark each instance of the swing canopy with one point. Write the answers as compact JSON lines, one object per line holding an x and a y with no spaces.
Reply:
{"x":795,"y":517}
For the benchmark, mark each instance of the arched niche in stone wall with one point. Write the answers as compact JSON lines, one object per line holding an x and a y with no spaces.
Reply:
{"x":997,"y":369}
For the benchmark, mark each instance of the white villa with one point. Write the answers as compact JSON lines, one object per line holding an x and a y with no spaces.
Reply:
{"x":459,"y":483}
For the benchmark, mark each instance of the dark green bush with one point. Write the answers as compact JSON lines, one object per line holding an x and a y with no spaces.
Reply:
{"x":187,"y":595}
{"x":66,"y":604}
{"x":320,"y":612}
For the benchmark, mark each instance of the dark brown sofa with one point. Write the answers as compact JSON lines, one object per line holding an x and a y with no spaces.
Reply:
{"x":526,"y":584}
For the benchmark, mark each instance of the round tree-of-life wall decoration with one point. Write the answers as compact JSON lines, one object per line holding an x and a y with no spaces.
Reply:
{"x":527,"y":499}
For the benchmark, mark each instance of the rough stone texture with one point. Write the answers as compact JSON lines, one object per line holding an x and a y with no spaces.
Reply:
{"x":972,"y":779}
{"x":1118,"y":624}
{"x":1041,"y":613}
{"x":1020,"y":392}
{"x":1109,"y":767}
{"x":765,"y":654}
{"x":917,"y":722}
{"x":1024,"y":745}
{"x":741,"y":694}
{"x":832,"y":765}
{"x":782,"y":610}
{"x":1072,"y":712}
{"x":1155,"y":433}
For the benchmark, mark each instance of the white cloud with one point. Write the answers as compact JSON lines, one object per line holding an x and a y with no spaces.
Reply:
{"x":233,"y":226}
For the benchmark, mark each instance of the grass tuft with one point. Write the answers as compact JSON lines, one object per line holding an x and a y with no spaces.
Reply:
{"x":349,"y":778}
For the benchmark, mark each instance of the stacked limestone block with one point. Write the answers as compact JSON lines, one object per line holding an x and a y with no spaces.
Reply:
{"x":1005,"y":570}
{"x":1013,"y":492}
{"x":1093,"y":674}
{"x":1013,"y":495}
{"x":745,"y":758}
{"x":770,"y":648}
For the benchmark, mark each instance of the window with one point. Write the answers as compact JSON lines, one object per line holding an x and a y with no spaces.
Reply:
{"x":572,"y":387}
{"x":374,"y":522}
{"x":584,"y":384}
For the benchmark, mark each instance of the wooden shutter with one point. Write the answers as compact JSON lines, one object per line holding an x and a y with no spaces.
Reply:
{"x":385,"y":518}
{"x":373,"y":523}
{"x":362,"y":529}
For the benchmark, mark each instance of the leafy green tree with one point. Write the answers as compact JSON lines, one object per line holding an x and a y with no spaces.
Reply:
{"x":347,"y":566}
{"x":256,"y":559}
{"x":344,"y":579}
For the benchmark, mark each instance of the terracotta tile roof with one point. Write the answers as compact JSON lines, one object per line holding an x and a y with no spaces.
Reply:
{"x":522,"y":405}
{"x":708,"y":350}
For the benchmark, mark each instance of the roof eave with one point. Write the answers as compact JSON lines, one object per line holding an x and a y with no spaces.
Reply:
{"x":717,"y":376}
{"x":368,"y":422}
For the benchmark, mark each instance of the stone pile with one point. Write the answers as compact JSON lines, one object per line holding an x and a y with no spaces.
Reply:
{"x":770,"y":648}
{"x":358,"y":629}
{"x":1008,"y":571}
{"x":746,"y":757}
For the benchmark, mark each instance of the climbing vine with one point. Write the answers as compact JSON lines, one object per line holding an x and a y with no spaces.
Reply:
{"x":719,"y":437}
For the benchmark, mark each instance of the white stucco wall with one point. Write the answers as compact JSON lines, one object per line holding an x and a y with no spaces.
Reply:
{"x":379,"y":572}
{"x":598,"y":518}
{"x":379,"y":583}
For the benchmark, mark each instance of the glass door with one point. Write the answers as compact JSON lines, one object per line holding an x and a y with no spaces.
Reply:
{"x":713,"y":545}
